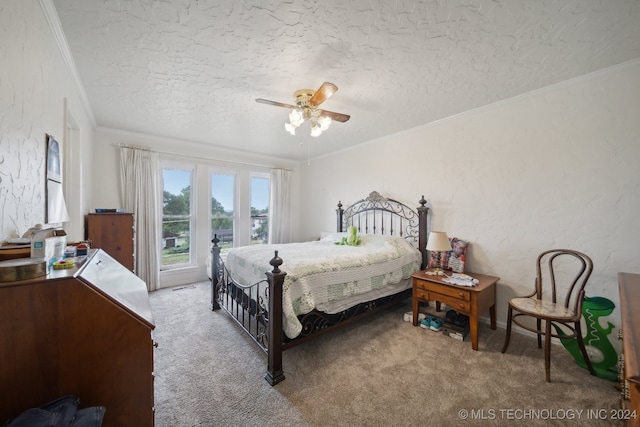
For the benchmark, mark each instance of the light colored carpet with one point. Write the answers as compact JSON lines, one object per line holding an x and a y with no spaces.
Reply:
{"x":375,"y":372}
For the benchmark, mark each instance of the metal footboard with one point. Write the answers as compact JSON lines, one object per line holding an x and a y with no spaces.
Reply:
{"x":256,"y":308}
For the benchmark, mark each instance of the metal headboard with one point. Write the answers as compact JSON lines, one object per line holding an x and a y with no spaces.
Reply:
{"x":378,"y":215}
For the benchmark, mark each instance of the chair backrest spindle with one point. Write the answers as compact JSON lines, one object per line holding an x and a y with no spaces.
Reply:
{"x":575,"y":275}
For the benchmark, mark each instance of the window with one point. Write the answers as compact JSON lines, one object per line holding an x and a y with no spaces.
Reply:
{"x":177,"y":219}
{"x":259,"y":209}
{"x":222,"y":208}
{"x":200,"y":200}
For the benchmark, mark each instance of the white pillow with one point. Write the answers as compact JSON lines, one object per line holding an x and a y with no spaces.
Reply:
{"x":332,"y":236}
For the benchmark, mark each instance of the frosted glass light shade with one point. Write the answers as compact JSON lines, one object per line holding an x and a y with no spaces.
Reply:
{"x":296,"y":118}
{"x":316,"y":131}
{"x":324,"y":122}
{"x":290,"y":128}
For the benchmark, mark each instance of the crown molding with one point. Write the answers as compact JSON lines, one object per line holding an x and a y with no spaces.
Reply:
{"x":53,"y":20}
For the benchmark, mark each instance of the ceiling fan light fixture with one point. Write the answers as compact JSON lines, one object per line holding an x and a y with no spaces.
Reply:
{"x":296,"y":117}
{"x":306,"y":109}
{"x":324,"y":122}
{"x":315,"y":130}
{"x":290,"y":128}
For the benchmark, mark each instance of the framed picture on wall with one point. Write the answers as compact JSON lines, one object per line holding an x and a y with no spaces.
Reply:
{"x":53,"y":160}
{"x":56,"y":210}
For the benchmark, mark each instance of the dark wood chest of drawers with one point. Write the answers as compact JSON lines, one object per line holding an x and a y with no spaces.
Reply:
{"x":629,"y":286}
{"x":113,"y":233}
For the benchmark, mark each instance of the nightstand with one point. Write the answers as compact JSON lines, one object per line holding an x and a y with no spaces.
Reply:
{"x":471,"y":300}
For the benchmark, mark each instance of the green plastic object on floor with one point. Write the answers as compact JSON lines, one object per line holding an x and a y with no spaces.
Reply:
{"x":603,"y":355}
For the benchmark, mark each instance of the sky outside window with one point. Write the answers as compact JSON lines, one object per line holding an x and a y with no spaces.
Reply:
{"x":259,"y":193}
{"x":175,"y":180}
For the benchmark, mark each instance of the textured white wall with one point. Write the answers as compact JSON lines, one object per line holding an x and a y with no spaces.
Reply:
{"x":34,"y":83}
{"x":554,"y":168}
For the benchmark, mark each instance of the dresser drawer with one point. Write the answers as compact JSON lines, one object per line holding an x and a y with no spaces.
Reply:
{"x":461,"y":305}
{"x":455,"y":303}
{"x":457,"y":293}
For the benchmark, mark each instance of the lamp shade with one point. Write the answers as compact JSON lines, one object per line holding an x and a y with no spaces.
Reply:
{"x":438,"y":242}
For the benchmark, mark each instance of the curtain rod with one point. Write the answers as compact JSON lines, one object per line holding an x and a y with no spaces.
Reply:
{"x":197,"y":157}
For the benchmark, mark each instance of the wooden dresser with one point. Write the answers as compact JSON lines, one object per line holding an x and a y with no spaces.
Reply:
{"x":629,"y":286}
{"x":84,"y":331}
{"x":113,"y":233}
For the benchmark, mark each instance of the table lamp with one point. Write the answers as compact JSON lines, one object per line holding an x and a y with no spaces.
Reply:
{"x":438,"y":242}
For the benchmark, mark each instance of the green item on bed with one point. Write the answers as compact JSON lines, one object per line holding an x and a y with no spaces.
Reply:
{"x":352,"y":238}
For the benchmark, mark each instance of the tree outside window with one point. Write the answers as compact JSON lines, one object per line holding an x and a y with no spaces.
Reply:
{"x":176,"y":217}
{"x":222,"y":212}
{"x":259,"y":210}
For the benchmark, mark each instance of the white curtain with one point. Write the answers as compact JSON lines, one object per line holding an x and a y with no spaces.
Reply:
{"x":138,"y":172}
{"x":280,"y":206}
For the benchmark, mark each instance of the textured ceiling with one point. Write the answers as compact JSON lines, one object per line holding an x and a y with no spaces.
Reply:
{"x":192,"y":69}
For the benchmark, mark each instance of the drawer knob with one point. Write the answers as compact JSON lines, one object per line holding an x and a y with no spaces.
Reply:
{"x":155,"y":344}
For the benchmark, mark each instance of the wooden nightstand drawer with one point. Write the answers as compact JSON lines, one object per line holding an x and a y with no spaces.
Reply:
{"x":450,"y":291}
{"x":455,"y":303}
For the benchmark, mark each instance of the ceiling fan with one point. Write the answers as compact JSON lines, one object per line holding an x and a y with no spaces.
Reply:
{"x":306,"y":108}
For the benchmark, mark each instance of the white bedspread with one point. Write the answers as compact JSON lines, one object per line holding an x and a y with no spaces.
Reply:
{"x":321,"y":274}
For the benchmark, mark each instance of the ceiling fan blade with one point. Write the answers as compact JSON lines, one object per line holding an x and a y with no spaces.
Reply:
{"x":277,"y":104}
{"x":338,"y":117}
{"x":322,"y":94}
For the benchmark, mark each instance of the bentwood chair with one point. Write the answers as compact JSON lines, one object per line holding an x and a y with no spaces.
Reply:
{"x":556,"y":300}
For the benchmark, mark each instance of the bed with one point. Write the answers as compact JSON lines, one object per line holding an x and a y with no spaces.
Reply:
{"x":326,"y":284}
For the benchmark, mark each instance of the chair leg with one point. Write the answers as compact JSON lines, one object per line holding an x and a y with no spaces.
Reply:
{"x":583,"y":350}
{"x":539,"y":325}
{"x":507,"y":337}
{"x":547,"y":349}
